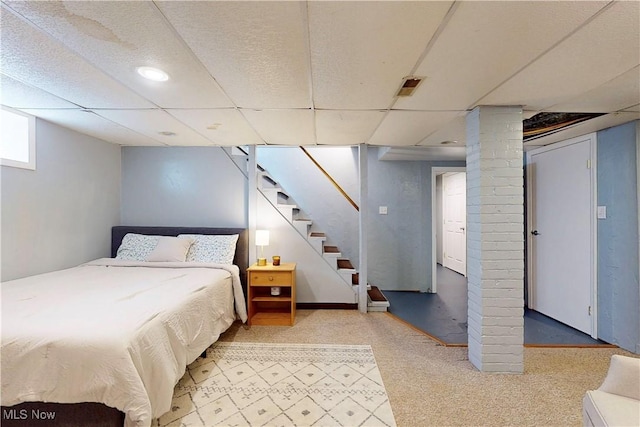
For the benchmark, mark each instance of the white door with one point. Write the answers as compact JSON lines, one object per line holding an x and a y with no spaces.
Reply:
{"x":561,"y":182}
{"x":454,"y":203}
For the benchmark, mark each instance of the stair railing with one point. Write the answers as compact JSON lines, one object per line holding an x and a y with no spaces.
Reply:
{"x":330,"y":178}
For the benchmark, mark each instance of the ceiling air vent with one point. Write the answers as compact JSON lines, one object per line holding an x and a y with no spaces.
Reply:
{"x":409,"y":86}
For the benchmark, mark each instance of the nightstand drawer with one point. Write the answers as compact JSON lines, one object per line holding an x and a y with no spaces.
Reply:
{"x":271,"y":278}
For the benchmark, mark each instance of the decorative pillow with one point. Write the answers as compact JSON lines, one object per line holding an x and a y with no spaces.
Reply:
{"x":170,"y":249}
{"x":136,"y":247}
{"x":218,"y":249}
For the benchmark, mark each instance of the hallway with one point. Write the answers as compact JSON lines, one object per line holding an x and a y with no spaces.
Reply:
{"x":444,"y":316}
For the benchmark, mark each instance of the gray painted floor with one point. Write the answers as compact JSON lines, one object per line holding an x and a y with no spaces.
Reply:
{"x":444,"y":315}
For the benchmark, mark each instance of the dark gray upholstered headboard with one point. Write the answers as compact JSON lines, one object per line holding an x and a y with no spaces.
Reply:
{"x":241,"y":258}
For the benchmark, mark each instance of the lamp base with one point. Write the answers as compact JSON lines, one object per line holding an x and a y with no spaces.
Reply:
{"x":262,"y":261}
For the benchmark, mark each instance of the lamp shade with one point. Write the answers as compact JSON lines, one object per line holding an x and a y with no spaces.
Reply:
{"x":262,"y":237}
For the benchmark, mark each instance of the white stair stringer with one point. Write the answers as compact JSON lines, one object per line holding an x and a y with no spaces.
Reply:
{"x":332,"y":257}
{"x":287,"y":211}
{"x":316,"y":242}
{"x":316,"y":280}
{"x":271,"y":193}
{"x":263,"y":182}
{"x":347,"y":274}
{"x":302,"y":225}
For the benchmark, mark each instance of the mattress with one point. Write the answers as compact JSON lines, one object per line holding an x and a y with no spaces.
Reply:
{"x":115,"y":332}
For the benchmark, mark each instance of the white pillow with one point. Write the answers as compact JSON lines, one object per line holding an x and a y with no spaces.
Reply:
{"x":136,"y":247}
{"x":218,"y":249}
{"x":170,"y":249}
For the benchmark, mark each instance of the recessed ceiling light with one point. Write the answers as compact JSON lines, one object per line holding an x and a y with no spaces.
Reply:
{"x":154,"y":74}
{"x":167,"y":133}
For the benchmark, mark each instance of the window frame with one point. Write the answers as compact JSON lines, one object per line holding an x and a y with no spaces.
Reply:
{"x":31,"y":132}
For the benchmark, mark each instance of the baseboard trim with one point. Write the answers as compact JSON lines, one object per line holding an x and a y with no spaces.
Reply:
{"x":325,"y":306}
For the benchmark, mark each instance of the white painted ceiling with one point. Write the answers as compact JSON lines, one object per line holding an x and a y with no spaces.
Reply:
{"x":315,"y":72}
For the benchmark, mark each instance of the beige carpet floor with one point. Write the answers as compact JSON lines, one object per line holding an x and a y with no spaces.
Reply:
{"x":432,"y":385}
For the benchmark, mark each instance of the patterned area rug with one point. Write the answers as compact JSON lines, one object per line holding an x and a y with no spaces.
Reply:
{"x":250,"y":384}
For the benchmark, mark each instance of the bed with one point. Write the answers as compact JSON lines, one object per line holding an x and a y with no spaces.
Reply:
{"x":119,"y":332}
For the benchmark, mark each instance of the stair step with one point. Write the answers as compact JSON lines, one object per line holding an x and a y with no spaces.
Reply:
{"x":269,"y":179}
{"x":376,"y":301}
{"x":376,"y":294}
{"x":302,"y":225}
{"x":345,"y":264}
{"x":355,"y":279}
{"x":287,"y":211}
{"x":317,"y":234}
{"x":331,"y":250}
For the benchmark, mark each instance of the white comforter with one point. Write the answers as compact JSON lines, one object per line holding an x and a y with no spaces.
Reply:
{"x":116,"y":332}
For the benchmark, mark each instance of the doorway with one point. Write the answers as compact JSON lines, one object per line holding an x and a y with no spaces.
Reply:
{"x":561,"y":218}
{"x":458,"y":240}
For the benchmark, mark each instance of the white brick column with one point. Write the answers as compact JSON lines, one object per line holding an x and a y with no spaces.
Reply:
{"x":495,"y":239}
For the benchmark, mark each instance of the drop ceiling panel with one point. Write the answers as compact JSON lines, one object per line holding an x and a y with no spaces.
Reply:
{"x":589,"y":126}
{"x":93,"y":125}
{"x":409,"y":127}
{"x":485,"y":43}
{"x":346,"y":127}
{"x":603,"y":49}
{"x":19,"y":95}
{"x":424,"y":153}
{"x":257,"y":51}
{"x":365,"y":49}
{"x":617,"y":94}
{"x":222,"y":127}
{"x":152,"y":122}
{"x":108,"y":35}
{"x":32,"y":57}
{"x":283,"y":127}
{"x":454,"y":130}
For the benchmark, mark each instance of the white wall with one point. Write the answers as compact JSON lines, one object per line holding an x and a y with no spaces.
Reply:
{"x":61,"y":214}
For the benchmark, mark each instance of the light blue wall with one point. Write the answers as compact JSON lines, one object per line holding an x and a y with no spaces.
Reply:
{"x":618,"y":285}
{"x":61,"y":214}
{"x":182,"y":186}
{"x":400,"y":242}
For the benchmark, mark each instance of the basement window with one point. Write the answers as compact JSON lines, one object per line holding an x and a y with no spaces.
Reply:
{"x":17,"y":139}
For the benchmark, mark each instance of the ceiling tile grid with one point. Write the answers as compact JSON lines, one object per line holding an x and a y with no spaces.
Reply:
{"x":32,"y":57}
{"x":360,"y":55}
{"x":257,"y":51}
{"x":485,"y":43}
{"x":226,"y":127}
{"x":603,"y":49}
{"x":315,"y":73}
{"x":107,"y":34}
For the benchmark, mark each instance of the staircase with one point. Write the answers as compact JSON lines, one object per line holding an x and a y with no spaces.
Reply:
{"x":317,"y":239}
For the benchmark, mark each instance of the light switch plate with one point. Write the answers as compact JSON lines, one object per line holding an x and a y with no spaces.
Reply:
{"x":382,"y":210}
{"x":602,"y":212}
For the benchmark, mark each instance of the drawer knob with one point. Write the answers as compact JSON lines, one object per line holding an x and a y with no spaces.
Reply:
{"x":271,"y":278}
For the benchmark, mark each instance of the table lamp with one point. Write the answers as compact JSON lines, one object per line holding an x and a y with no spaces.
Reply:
{"x":262,"y":240}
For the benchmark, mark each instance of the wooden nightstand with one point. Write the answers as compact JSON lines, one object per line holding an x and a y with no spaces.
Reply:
{"x":267,"y":309}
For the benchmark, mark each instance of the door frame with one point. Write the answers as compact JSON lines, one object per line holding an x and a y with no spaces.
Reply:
{"x":593,"y":145}
{"x":446,"y":242}
{"x":437,"y":170}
